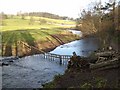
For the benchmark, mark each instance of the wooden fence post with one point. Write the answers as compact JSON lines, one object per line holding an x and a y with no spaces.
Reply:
{"x":44,"y":55}
{"x":60,"y":59}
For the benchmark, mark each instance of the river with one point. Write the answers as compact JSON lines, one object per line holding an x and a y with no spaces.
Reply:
{"x":30,"y":72}
{"x":33,"y":71}
{"x":82,"y":47}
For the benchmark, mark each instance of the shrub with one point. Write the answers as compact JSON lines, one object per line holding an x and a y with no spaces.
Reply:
{"x":100,"y":83}
{"x":49,"y":85}
{"x":86,"y":85}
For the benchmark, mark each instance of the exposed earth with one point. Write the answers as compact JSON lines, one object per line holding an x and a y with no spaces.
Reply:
{"x":76,"y":79}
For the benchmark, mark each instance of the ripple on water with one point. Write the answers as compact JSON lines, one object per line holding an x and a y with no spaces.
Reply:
{"x":30,"y":72}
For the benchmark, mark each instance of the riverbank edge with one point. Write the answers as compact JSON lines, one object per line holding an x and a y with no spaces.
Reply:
{"x":46,"y":50}
{"x":80,"y":37}
{"x":93,"y":78}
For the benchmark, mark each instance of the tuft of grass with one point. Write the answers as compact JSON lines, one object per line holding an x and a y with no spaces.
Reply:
{"x":86,"y":86}
{"x":98,"y":83}
{"x":57,"y":77}
{"x":52,"y":84}
{"x":49,"y":85}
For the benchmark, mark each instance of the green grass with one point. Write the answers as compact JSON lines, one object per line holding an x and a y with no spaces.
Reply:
{"x":27,"y":35}
{"x":16,"y":23}
{"x":20,"y":28}
{"x":17,"y":29}
{"x":57,"y":21}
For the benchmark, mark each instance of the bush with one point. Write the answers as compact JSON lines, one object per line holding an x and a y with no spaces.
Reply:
{"x":52,"y":84}
{"x":97,"y":83}
{"x":100,"y":83}
{"x":56,"y":77}
{"x":86,"y":85}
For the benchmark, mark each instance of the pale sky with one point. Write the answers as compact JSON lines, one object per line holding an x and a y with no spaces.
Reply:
{"x":70,"y":8}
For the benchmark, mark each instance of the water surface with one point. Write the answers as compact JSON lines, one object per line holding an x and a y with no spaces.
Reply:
{"x":33,"y":71}
{"x":30,"y":72}
{"x":82,"y":47}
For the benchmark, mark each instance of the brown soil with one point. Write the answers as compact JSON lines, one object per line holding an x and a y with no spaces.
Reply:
{"x":75,"y":78}
{"x":47,"y":46}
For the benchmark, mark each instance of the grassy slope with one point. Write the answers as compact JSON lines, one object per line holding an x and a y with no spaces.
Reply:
{"x":36,"y":30}
{"x":17,"y":23}
{"x":16,"y":29}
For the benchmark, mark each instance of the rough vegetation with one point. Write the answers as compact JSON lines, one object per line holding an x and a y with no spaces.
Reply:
{"x":79,"y":75}
{"x":102,"y":21}
{"x":39,"y":32}
{"x":103,"y":71}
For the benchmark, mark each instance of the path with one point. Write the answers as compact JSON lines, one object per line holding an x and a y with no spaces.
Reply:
{"x":30,"y":72}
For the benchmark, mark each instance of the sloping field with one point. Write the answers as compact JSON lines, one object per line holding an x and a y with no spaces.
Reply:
{"x":33,"y":31}
{"x":17,"y":23}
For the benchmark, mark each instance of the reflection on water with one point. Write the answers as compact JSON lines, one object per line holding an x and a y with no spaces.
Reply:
{"x":82,"y":47}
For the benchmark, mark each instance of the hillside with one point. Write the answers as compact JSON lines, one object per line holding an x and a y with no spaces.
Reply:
{"x":34,"y":31}
{"x":47,"y":15}
{"x":32,"y":22}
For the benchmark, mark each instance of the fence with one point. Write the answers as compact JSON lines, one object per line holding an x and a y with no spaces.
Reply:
{"x":50,"y":56}
{"x":62,"y":58}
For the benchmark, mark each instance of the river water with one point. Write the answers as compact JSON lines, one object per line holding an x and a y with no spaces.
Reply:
{"x":82,"y":47}
{"x":30,"y":72}
{"x":33,"y":71}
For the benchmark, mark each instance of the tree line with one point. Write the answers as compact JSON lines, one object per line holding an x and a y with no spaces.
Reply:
{"x":38,"y":14}
{"x":102,"y":21}
{"x":45,"y":14}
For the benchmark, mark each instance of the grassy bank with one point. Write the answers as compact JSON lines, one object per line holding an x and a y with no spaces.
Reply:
{"x":34,"y":31}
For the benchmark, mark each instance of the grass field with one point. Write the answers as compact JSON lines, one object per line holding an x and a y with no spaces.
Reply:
{"x":18,"y":27}
{"x":16,"y":23}
{"x":31,"y":30}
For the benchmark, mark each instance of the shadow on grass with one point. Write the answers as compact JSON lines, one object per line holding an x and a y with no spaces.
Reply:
{"x":27,"y":37}
{"x":9,"y":39}
{"x":8,"y":50}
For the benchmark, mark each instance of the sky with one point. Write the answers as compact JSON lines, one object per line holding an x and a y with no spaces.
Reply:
{"x":70,"y":8}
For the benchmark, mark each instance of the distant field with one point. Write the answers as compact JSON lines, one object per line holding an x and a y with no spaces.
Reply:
{"x":16,"y":23}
